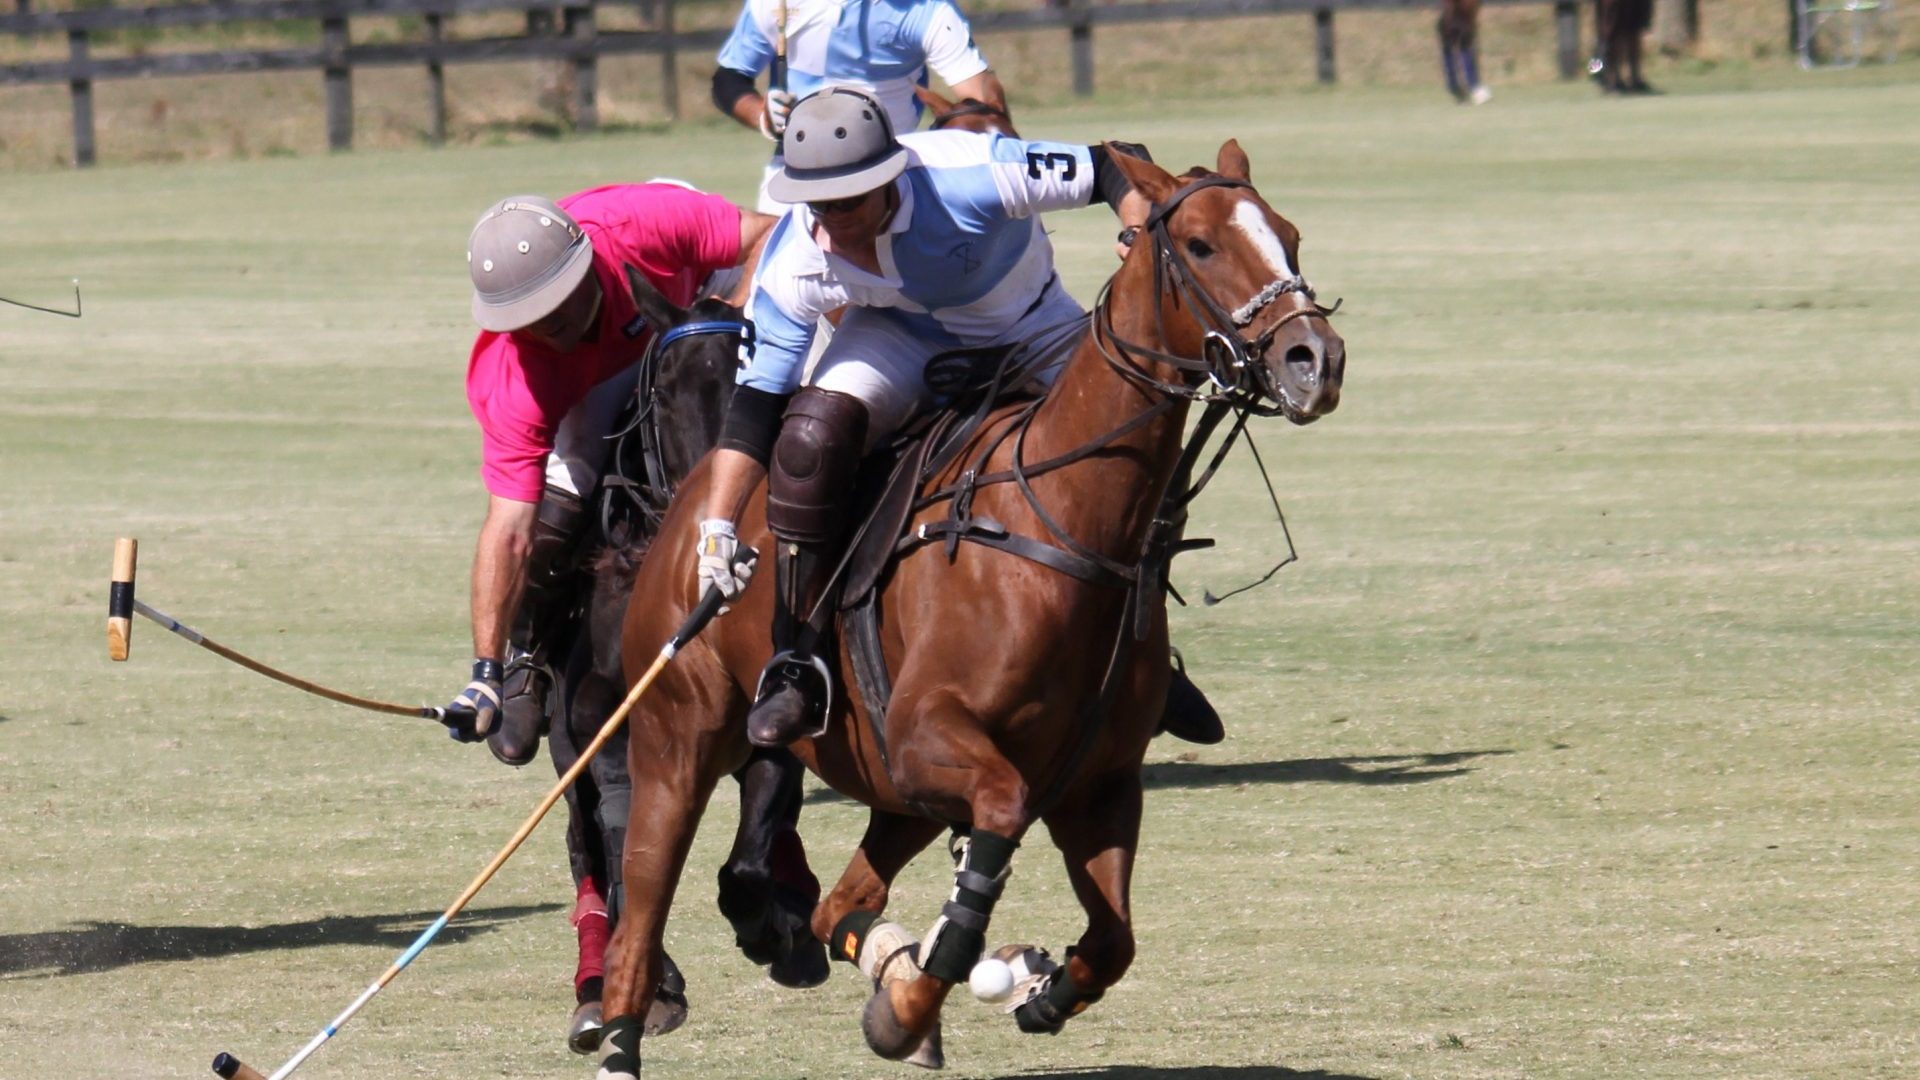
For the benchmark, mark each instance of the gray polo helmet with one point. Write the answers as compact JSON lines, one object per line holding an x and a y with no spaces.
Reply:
{"x":526,"y":256}
{"x":838,"y":144}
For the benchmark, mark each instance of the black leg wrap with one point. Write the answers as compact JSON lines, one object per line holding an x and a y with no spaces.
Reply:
{"x":849,"y":933}
{"x":1048,"y":1011}
{"x":620,"y":1047}
{"x":960,"y":936}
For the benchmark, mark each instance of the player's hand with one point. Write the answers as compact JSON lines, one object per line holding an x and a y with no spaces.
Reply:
{"x":473,"y":712}
{"x":773,"y":118}
{"x":724,"y":564}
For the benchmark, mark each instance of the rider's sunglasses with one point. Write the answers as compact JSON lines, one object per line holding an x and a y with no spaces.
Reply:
{"x":839,"y":206}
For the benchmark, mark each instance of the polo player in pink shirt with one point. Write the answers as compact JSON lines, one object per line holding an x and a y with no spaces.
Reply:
{"x":561,"y":337}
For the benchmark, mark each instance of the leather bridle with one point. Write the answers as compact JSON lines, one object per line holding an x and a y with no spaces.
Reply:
{"x":1229,"y":361}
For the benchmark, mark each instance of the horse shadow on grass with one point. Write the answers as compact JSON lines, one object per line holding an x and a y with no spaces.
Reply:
{"x":1369,"y":769}
{"x":91,"y":947}
{"x":1190,"y":1072}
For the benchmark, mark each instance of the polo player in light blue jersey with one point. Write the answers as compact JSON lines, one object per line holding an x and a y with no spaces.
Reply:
{"x":885,"y":47}
{"x":932,"y":241}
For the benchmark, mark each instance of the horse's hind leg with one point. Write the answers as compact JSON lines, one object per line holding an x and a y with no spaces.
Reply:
{"x":1097,"y":830}
{"x":766,"y":890}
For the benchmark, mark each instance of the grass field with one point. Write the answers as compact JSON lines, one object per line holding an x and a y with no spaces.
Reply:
{"x":1580,"y":744}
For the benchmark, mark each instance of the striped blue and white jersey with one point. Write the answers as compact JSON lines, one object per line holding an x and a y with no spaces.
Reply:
{"x":883,"y":46}
{"x":962,"y":260}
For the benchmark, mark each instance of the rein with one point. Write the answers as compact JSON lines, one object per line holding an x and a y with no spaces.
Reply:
{"x":967,"y":108}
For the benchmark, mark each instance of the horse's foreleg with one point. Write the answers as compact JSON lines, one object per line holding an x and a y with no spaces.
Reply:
{"x":667,"y":802}
{"x":766,"y":890}
{"x":1097,"y":831}
{"x":860,"y":896}
{"x":945,"y":761}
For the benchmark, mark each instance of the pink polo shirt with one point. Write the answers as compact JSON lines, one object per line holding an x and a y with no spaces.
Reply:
{"x":520,"y":390}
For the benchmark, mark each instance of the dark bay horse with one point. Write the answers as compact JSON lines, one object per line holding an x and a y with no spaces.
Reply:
{"x":1019,"y":693}
{"x":686,"y":383}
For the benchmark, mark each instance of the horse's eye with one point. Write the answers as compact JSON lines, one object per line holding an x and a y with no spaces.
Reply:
{"x":1198,"y":248}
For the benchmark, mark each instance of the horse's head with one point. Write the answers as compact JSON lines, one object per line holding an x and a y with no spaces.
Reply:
{"x":967,"y":114}
{"x":1225,"y":268}
{"x":687,"y":379}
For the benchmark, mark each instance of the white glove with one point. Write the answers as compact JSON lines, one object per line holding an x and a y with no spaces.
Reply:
{"x":722,"y":564}
{"x":773,"y":118}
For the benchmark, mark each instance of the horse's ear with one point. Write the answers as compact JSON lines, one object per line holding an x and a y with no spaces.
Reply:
{"x":933,"y":101}
{"x":659,"y":312}
{"x":1147,"y":178}
{"x":1233,"y":163}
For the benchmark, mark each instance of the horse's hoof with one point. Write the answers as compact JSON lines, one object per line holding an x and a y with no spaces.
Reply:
{"x":803,"y":968}
{"x":583,"y":1031}
{"x":928,"y":1055}
{"x":885,"y":1034}
{"x":667,"y":1013}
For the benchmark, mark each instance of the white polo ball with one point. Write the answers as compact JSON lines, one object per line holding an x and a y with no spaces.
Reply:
{"x":991,"y":980}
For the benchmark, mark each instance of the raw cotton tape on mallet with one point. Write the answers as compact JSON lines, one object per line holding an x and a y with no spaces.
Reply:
{"x":126,"y":552}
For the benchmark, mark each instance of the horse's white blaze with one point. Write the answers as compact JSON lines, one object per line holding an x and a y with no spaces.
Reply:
{"x":1249,"y":220}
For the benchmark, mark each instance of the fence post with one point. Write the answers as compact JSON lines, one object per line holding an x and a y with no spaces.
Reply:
{"x":436,"y":82}
{"x":81,"y":83}
{"x":339,"y":82}
{"x":1080,"y":31}
{"x":1566,"y":20}
{"x":669,"y":61}
{"x":586,"y":66}
{"x":1323,"y":44}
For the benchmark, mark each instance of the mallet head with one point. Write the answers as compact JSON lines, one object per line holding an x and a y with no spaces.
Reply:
{"x":228,"y":1067}
{"x":126,"y":552}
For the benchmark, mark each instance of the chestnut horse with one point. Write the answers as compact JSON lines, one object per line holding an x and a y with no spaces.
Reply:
{"x":1020,"y":694}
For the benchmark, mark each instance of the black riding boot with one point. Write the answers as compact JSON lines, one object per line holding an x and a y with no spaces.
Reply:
{"x":542,"y":629}
{"x":1189,"y":715}
{"x":796,"y":689}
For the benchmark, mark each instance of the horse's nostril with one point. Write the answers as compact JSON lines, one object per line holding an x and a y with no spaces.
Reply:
{"x":1304,"y":363}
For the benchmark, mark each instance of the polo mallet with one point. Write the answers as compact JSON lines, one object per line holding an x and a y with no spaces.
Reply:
{"x":74,"y":314}
{"x":232,"y":1068}
{"x":121,"y":606}
{"x":777,"y":70}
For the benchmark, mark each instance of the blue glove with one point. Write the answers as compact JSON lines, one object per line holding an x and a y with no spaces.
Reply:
{"x":473,"y":712}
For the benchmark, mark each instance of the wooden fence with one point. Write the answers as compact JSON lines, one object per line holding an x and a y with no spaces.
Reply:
{"x":574,"y":39}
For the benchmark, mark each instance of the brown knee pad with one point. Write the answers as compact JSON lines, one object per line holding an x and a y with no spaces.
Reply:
{"x":814,"y":464}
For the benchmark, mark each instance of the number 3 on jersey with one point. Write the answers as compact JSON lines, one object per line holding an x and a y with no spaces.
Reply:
{"x":1039,"y":162}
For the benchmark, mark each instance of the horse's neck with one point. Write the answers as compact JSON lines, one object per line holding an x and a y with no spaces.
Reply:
{"x":1089,"y":401}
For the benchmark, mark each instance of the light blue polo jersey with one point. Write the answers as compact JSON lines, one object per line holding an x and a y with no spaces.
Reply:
{"x":883,"y":46}
{"x":962,"y":260}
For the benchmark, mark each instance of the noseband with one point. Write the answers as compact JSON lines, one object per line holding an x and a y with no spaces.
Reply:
{"x":1227,"y":358}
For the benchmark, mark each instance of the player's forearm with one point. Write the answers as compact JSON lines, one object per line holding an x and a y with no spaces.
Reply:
{"x":500,"y":573}
{"x":735,"y":475}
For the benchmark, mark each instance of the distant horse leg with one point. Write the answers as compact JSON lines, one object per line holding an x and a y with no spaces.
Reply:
{"x":1097,"y":831}
{"x":766,"y":890}
{"x":592,"y":922}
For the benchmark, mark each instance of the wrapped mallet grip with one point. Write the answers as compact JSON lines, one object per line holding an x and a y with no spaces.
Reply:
{"x":126,"y":552}
{"x":228,"y":1067}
